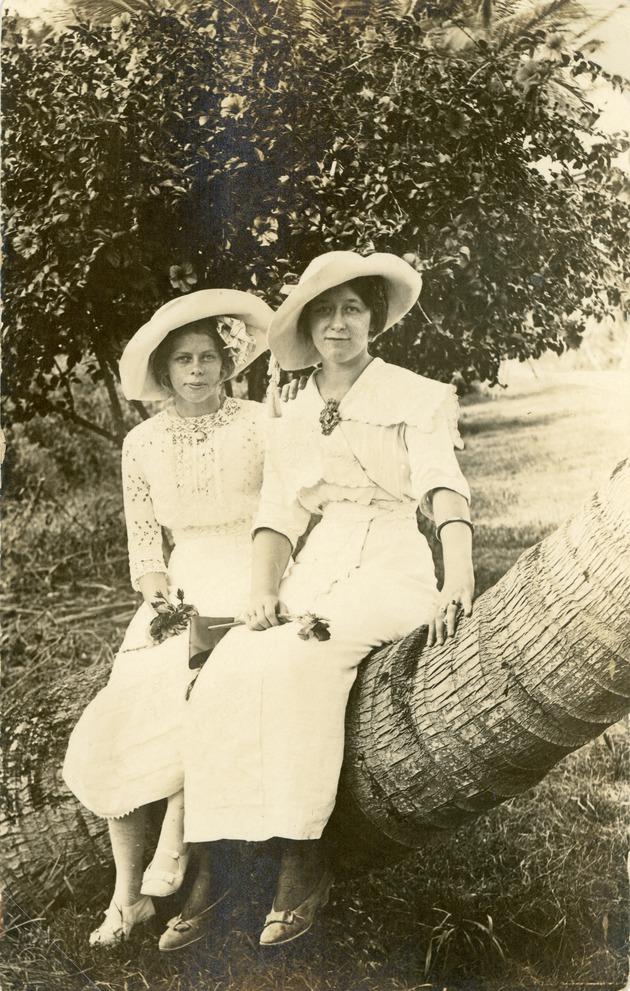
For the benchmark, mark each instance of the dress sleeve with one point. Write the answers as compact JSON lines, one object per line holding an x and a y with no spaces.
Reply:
{"x":144,"y":534}
{"x":279,"y":508}
{"x":432,"y":459}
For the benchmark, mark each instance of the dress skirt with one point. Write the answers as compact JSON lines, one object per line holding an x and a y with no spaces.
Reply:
{"x":125,"y":750}
{"x":264,"y":730}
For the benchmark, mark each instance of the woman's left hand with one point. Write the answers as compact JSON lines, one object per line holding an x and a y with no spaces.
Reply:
{"x":453,"y":603}
{"x":264,"y":612}
{"x":290,"y":389}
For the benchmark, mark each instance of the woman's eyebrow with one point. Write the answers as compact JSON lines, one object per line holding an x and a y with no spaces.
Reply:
{"x":179,"y":351}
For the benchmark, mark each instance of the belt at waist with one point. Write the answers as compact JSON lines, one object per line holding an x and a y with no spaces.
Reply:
{"x":382,"y":508}
{"x":190,"y":534}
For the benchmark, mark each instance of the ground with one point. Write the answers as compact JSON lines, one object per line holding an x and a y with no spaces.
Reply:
{"x":534,"y":896}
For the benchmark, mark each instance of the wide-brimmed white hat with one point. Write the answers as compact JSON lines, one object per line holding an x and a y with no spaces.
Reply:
{"x":136,"y":376}
{"x":403,"y":284}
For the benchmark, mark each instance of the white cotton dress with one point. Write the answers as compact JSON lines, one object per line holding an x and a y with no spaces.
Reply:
{"x":264,"y":732}
{"x":200,"y":478}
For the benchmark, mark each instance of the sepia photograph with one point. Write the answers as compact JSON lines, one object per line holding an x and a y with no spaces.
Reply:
{"x":316,"y":495}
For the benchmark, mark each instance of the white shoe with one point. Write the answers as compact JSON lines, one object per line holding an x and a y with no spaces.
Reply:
{"x":120,"y":920}
{"x":160,"y":883}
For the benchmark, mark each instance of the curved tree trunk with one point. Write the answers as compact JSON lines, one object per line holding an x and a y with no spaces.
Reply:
{"x":438,"y":737}
{"x":435,"y":737}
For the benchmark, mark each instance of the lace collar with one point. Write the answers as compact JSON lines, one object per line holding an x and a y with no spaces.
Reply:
{"x":198,"y":427}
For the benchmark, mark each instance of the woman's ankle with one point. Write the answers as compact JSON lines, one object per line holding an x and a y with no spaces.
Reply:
{"x":125,"y":897}
{"x":168,"y":859}
{"x":302,"y":864}
{"x":206,"y":887}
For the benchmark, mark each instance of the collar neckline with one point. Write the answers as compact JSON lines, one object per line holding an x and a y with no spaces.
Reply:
{"x":227,"y":406}
{"x":355,"y":389}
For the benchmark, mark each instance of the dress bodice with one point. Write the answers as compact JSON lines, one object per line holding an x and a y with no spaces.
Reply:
{"x":394,"y":441}
{"x":187,"y":473}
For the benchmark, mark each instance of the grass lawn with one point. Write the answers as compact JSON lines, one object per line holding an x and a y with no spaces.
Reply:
{"x":533,"y":896}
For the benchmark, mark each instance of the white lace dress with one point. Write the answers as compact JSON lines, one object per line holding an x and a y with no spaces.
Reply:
{"x":200,"y":478}
{"x":263,"y":740}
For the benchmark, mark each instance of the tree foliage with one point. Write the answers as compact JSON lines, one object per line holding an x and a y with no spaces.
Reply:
{"x":171,"y":151}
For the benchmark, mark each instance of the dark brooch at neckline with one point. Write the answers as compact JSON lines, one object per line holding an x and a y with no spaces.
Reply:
{"x":329,"y":416}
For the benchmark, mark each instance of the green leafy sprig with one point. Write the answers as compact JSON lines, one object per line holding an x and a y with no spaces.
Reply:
{"x":171,"y":619}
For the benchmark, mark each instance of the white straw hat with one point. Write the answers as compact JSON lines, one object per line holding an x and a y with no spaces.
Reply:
{"x":403,"y":284}
{"x":136,"y":376}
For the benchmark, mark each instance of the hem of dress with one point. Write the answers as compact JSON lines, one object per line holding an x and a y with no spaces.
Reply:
{"x":255,"y":825}
{"x":117,"y":815}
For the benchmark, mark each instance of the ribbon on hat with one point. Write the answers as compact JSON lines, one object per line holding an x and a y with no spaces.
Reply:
{"x":239,"y":344}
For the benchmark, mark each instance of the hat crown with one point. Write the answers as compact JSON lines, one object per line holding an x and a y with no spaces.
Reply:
{"x":323,"y":260}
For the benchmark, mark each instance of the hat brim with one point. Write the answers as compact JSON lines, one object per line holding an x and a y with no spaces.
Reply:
{"x":292,"y":350}
{"x":136,"y":377}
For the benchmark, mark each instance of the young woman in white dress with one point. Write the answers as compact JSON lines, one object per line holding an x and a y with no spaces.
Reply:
{"x":194,"y":469}
{"x":361,"y":448}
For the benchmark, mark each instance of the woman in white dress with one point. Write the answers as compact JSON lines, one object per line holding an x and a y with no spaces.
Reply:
{"x":361,"y":448}
{"x":194,"y":469}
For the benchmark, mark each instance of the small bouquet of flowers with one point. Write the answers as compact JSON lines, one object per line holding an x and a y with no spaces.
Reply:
{"x":171,"y":619}
{"x":313,"y":626}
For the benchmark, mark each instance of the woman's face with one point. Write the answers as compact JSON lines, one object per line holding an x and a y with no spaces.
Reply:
{"x":339,"y":323}
{"x":194,"y":368}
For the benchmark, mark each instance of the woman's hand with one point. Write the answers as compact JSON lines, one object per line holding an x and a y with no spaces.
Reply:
{"x":264,"y":612}
{"x":290,"y":389}
{"x":453,"y":603}
{"x":455,"y":598}
{"x":154,"y":589}
{"x":271,"y":555}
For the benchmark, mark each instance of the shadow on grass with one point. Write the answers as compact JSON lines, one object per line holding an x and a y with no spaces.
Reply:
{"x":489,"y":424}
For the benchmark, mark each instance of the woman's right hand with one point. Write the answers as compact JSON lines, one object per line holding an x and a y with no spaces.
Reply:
{"x":264,"y":612}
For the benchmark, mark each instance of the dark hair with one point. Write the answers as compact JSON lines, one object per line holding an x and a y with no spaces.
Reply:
{"x":158,"y":362}
{"x":372,"y":290}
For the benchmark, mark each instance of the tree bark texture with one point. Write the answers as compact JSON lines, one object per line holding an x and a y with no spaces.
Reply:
{"x":438,"y":737}
{"x":435,"y":737}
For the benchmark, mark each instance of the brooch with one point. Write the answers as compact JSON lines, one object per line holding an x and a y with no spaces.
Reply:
{"x":329,"y":416}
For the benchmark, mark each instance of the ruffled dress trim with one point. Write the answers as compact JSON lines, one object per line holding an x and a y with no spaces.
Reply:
{"x":385,"y":395}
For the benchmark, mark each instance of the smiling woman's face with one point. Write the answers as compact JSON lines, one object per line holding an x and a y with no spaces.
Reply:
{"x":339,"y":324}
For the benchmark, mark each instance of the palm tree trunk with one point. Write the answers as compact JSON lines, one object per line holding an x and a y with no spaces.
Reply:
{"x":435,"y":737}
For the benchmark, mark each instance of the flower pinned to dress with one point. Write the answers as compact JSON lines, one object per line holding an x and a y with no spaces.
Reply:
{"x":313,"y":626}
{"x":329,"y":416}
{"x":239,"y":344}
{"x":171,"y":619}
